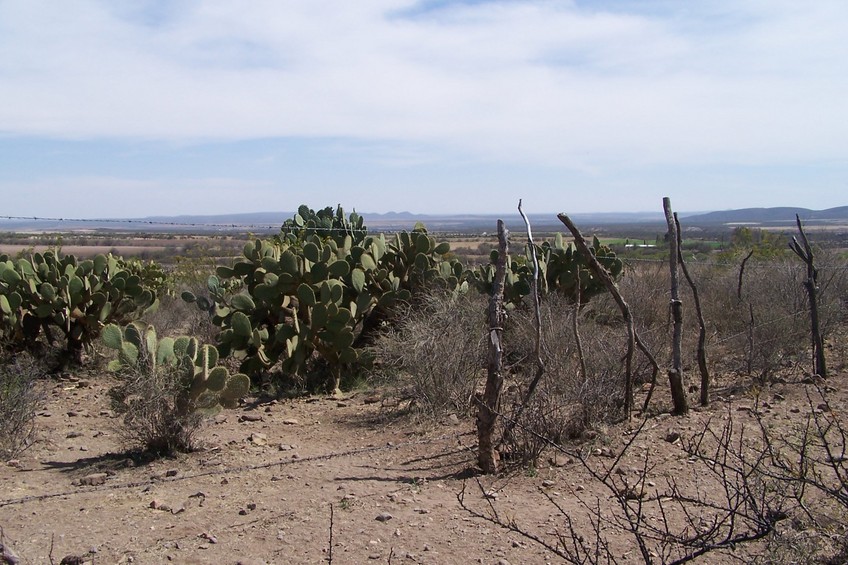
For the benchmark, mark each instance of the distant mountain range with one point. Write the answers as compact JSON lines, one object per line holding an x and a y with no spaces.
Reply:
{"x":769,"y":216}
{"x":270,"y":221}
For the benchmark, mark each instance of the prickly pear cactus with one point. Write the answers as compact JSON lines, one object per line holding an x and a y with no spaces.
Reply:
{"x":46,"y":293}
{"x":202,"y":384}
{"x":562,"y":269}
{"x":318,"y":289}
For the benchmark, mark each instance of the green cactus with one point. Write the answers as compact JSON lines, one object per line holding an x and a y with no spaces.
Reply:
{"x":559,"y":265}
{"x":320,"y":288}
{"x":202,"y":385}
{"x":46,"y":292}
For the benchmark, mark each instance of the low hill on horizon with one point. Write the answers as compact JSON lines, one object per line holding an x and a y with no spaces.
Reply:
{"x":770,"y":215}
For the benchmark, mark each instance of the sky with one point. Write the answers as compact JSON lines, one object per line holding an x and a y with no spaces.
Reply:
{"x":131,"y":108}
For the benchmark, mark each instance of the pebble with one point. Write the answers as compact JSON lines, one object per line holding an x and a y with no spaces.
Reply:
{"x":258,"y":438}
{"x":384,"y":517}
{"x":251,"y":418}
{"x":94,"y":479}
{"x":291,"y":422}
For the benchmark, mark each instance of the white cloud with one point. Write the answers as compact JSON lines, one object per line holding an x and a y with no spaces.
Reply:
{"x":546,"y":82}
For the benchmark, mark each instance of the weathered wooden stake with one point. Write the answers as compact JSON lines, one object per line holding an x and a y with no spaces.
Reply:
{"x":805,"y":252}
{"x":488,"y":405}
{"x":675,"y":373}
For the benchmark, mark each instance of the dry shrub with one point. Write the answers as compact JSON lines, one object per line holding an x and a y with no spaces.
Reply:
{"x":437,"y":351}
{"x":151,"y":420}
{"x":20,"y":399}
{"x":177,"y":317}
{"x":566,"y":403}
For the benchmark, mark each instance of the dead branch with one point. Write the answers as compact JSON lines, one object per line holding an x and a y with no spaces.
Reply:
{"x":632,"y":335}
{"x":540,"y":365}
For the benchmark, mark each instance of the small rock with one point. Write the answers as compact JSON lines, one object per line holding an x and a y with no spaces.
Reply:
{"x":159,"y":505}
{"x":208,"y":537}
{"x":92,"y":480}
{"x":341,"y":405}
{"x":548,"y":483}
{"x":172,"y":472}
{"x":384,"y":517}
{"x":285,"y":447}
{"x":14,"y":463}
{"x":671,"y":437}
{"x":257,"y":438}
{"x":560,"y":461}
{"x":71,"y":435}
{"x":503,"y":562}
{"x":372,"y":399}
{"x":251,"y":418}
{"x":72,"y":560}
{"x":220,"y":419}
{"x":453,"y":420}
{"x":491,"y":494}
{"x":291,"y":422}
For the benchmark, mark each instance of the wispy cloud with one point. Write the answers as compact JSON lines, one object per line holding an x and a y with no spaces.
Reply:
{"x":538,"y":81}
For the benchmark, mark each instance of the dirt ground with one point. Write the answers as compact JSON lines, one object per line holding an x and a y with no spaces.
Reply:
{"x":274,"y":481}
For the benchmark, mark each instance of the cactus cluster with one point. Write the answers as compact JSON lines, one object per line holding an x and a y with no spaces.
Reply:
{"x":203,"y":385}
{"x":316,"y":288}
{"x":76,"y":297}
{"x":562,"y":269}
{"x":323,"y":285}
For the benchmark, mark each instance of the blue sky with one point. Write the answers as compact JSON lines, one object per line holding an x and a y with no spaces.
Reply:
{"x":145,"y":107}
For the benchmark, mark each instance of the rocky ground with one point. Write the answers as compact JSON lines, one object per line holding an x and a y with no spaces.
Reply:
{"x":319,"y":480}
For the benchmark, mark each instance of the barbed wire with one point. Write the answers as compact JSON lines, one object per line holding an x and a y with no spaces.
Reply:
{"x":142,"y":222}
{"x":236,"y":469}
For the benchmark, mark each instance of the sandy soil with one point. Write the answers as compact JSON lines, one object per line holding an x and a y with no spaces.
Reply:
{"x":275,"y":480}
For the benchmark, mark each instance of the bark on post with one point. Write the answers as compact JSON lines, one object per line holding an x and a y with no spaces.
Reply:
{"x":675,"y":373}
{"x":805,"y":252}
{"x":488,"y":405}
{"x":702,"y":326}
